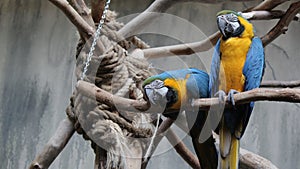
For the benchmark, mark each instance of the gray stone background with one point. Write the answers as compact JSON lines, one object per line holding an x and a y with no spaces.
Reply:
{"x":37,"y":46}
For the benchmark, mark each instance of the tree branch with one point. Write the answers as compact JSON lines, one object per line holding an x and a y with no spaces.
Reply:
{"x":82,"y":26}
{"x":166,"y":124}
{"x":201,"y":46}
{"x":282,"y":25}
{"x":83,"y":11}
{"x":260,"y":94}
{"x":97,"y":9}
{"x":183,"y":49}
{"x":146,"y":17}
{"x":249,"y":160}
{"x":54,"y":146}
{"x":281,"y":84}
{"x":182,"y":150}
{"x":102,"y":96}
{"x":268,"y":5}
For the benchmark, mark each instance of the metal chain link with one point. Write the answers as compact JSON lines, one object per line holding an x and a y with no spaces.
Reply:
{"x":96,"y":37}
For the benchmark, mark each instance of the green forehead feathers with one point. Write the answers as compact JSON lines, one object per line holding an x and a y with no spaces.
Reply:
{"x":224,"y":12}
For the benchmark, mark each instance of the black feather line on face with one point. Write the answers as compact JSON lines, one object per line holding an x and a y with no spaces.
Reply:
{"x":171,"y":97}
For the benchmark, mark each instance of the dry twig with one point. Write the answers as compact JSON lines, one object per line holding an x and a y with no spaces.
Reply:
{"x":54,"y":146}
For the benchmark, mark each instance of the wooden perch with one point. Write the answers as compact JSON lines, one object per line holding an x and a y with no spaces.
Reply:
{"x":281,"y":84}
{"x":54,"y":146}
{"x":249,"y":160}
{"x":102,"y":96}
{"x":184,"y":49}
{"x":82,"y":26}
{"x":268,"y":5}
{"x":97,"y":9}
{"x":260,"y":94}
{"x":282,"y":25}
{"x":205,"y":45}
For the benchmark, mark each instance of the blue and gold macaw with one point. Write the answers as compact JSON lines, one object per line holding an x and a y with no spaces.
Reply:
{"x":173,"y":90}
{"x":237,"y":66}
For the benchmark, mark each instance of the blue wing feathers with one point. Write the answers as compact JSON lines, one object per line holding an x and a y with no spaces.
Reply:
{"x":253,"y":71}
{"x":254,"y":66}
{"x":214,"y":70}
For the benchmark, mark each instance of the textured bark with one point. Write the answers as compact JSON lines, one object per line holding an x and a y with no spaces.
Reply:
{"x":282,"y":25}
{"x":54,"y":146}
{"x":281,"y":84}
{"x":260,"y":94}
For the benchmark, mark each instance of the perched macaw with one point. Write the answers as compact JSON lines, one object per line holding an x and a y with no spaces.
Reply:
{"x":175,"y":89}
{"x":237,"y":65}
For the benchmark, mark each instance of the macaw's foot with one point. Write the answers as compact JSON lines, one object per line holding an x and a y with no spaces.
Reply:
{"x":230,"y":97}
{"x":221,"y":95}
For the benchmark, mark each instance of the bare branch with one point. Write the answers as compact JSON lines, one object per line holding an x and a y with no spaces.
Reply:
{"x":282,"y":25}
{"x":249,"y":160}
{"x":74,"y":17}
{"x":195,"y":47}
{"x":259,"y":94}
{"x":102,"y":96}
{"x":268,"y":5}
{"x":281,"y":84}
{"x":97,"y":9}
{"x":166,"y":124}
{"x":83,"y":11}
{"x":182,"y":150}
{"x":184,"y":49}
{"x":145,"y":18}
{"x":54,"y":146}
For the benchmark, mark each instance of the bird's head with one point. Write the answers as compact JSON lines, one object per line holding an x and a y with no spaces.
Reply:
{"x":157,"y":93}
{"x":229,"y":23}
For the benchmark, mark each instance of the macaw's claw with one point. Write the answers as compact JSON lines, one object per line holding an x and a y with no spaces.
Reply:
{"x":230,"y":97}
{"x":221,"y":95}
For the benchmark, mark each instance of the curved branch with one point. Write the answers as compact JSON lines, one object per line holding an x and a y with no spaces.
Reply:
{"x":259,"y":94}
{"x":184,"y":49}
{"x":102,"y":96}
{"x":82,"y":9}
{"x":97,"y":9}
{"x":201,"y":46}
{"x":281,"y":84}
{"x":145,"y":18}
{"x":166,"y":124}
{"x":54,"y":146}
{"x":182,"y":150}
{"x":82,"y":26}
{"x":268,"y":5}
{"x":282,"y":26}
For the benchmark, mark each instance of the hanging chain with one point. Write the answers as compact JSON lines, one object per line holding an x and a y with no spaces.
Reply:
{"x":96,"y":37}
